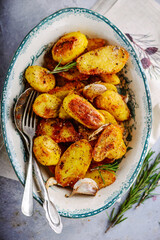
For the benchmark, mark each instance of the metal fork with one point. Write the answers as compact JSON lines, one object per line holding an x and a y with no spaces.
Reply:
{"x":29,"y":128}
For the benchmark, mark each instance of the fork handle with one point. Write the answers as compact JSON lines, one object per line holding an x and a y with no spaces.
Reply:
{"x":27,"y":201}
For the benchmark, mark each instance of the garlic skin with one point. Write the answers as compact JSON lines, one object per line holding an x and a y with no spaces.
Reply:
{"x":85,"y":186}
{"x":50,"y":182}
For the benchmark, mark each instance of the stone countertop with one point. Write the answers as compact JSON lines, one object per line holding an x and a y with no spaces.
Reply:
{"x":16,"y":19}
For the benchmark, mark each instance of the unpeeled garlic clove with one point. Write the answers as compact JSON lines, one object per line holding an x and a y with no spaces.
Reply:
{"x":85,"y":186}
{"x":50,"y":182}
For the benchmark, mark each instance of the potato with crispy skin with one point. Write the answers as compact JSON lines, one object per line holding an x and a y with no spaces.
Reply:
{"x":59,"y":130}
{"x":103,"y":178}
{"x":114,"y":104}
{"x":69,"y":47}
{"x":63,"y":114}
{"x":46,"y":150}
{"x":94,"y":43}
{"x":62,"y":92}
{"x":110,"y":78}
{"x":108,"y":59}
{"x":110,"y":144}
{"x":108,"y":117}
{"x":39,"y":78}
{"x":74,"y":75}
{"x":74,"y":163}
{"x":47,"y":105}
{"x":83,"y":111}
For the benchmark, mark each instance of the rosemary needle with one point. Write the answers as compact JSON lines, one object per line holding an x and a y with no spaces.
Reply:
{"x":146,"y":182}
{"x":64,"y":68}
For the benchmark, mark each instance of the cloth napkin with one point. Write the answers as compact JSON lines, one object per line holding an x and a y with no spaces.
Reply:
{"x":140,"y":20}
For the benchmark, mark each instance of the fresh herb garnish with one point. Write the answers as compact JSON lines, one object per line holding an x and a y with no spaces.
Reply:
{"x":142,"y":189}
{"x":111,"y":167}
{"x":64,"y":68}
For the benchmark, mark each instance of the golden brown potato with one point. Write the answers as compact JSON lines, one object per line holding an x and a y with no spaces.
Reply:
{"x":39,"y":78}
{"x":93,"y":90}
{"x":74,"y":75}
{"x":108,"y":117}
{"x":46,"y":150}
{"x":59,"y":130}
{"x":47,"y":105}
{"x":69,"y":47}
{"x":63,"y":114}
{"x":108,"y":177}
{"x":110,"y":144}
{"x":49,"y":63}
{"x":94,"y":43}
{"x":74,"y":163}
{"x":108,"y":59}
{"x":83,"y":111}
{"x":110,"y":78}
{"x":62,"y":92}
{"x":114,"y":104}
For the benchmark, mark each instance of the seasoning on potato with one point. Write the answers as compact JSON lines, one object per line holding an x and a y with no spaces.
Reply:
{"x":108,"y":59}
{"x":83,"y":111}
{"x":46,"y":150}
{"x":69,"y":47}
{"x":39,"y":78}
{"x":74,"y":163}
{"x":110,"y":78}
{"x":110,"y":144}
{"x":47,"y":105}
{"x":113,"y":103}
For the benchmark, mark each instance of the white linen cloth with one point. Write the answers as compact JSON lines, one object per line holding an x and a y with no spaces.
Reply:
{"x":141,"y":21}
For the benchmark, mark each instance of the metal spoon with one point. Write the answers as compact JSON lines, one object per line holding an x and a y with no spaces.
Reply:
{"x":52,"y":214}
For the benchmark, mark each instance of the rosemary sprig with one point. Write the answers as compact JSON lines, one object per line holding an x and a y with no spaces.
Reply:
{"x":64,"y":68}
{"x":141,"y":190}
{"x":111,"y":167}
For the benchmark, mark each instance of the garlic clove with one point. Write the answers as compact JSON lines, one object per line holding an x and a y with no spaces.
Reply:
{"x":50,"y":182}
{"x":85,"y":186}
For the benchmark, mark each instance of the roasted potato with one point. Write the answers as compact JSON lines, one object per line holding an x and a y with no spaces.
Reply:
{"x":110,"y":78}
{"x":74,"y":163}
{"x":39,"y":78}
{"x":47,"y":105}
{"x":108,"y":117}
{"x":83,"y":111}
{"x":69,"y":47}
{"x":49,"y":63}
{"x":108,"y":59}
{"x":62,"y":92}
{"x":74,"y":75}
{"x":103,"y":178}
{"x":114,"y":104}
{"x":93,"y":90}
{"x":110,"y":144}
{"x":59,"y":130}
{"x":46,"y":150}
{"x":63,"y":114}
{"x":94,"y":43}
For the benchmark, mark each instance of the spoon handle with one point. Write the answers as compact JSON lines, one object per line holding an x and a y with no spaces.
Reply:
{"x":27,"y":201}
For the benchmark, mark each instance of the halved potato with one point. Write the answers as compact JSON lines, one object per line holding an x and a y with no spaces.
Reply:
{"x":47,"y":105}
{"x":114,"y":104}
{"x":110,"y":144}
{"x":62,"y":92}
{"x":94,"y":43}
{"x":46,"y":150}
{"x":69,"y":47}
{"x":83,"y":111}
{"x":63,"y":114}
{"x":39,"y":78}
{"x":59,"y":130}
{"x":103,"y":178}
{"x":108,"y":59}
{"x":108,"y":117}
{"x":110,"y":78}
{"x":74,"y":75}
{"x":74,"y":163}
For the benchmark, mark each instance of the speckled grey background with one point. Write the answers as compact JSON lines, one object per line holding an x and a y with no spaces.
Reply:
{"x":17,"y":18}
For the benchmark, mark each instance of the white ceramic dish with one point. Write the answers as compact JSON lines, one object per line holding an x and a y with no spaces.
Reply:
{"x":31,"y":52}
